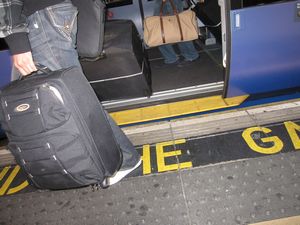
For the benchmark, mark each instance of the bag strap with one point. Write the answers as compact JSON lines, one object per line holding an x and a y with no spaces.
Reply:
{"x":172,"y":5}
{"x":161,"y":19}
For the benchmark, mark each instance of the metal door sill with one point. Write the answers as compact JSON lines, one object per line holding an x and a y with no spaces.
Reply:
{"x":166,"y":95}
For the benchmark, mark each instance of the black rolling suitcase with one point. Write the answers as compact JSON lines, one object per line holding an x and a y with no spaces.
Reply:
{"x":58,"y":131}
{"x":124,"y":72}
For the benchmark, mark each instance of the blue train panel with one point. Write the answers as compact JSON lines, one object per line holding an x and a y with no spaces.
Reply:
{"x":5,"y":73}
{"x":265,"y":49}
{"x":5,"y":68}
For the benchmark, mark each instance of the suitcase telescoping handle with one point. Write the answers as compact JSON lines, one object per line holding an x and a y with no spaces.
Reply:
{"x":41,"y":69}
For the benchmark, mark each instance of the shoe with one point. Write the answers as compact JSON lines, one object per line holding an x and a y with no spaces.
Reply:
{"x":167,"y":65}
{"x":121,"y":174}
{"x":186,"y":62}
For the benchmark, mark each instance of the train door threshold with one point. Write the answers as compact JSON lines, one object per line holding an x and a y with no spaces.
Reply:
{"x":238,"y":167}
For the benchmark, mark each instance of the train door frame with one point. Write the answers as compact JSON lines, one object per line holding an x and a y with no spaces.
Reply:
{"x":184,"y":93}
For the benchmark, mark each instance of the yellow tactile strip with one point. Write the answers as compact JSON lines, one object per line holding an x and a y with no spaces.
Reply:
{"x":286,"y":221}
{"x":175,"y":109}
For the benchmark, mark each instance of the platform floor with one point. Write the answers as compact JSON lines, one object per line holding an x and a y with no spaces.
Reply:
{"x":239,"y":192}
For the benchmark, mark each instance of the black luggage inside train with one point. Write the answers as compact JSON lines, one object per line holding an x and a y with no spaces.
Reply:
{"x":124,"y":72}
{"x":209,"y":13}
{"x":58,"y":131}
{"x":91,"y":18}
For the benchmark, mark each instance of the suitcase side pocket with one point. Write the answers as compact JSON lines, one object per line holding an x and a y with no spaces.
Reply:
{"x":33,"y":112}
{"x":61,"y":157}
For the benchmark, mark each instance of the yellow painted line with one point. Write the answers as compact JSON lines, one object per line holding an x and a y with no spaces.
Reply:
{"x":146,"y":160}
{"x":18,"y":188}
{"x":9,"y":180}
{"x":4,"y":172}
{"x":277,"y":144}
{"x":286,"y":221}
{"x":161,"y":155}
{"x":175,"y":109}
{"x":292,"y":129}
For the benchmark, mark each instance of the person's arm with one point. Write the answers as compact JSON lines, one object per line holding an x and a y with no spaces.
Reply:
{"x":14,"y":29}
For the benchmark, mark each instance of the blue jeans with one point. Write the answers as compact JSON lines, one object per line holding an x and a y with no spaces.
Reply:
{"x":52,"y":36}
{"x":187,"y":49}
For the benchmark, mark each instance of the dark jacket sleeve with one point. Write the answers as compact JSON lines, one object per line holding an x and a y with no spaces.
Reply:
{"x":13,"y":26}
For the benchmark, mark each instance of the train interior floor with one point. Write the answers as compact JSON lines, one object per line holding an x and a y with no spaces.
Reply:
{"x":206,"y":69}
{"x":235,"y":167}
